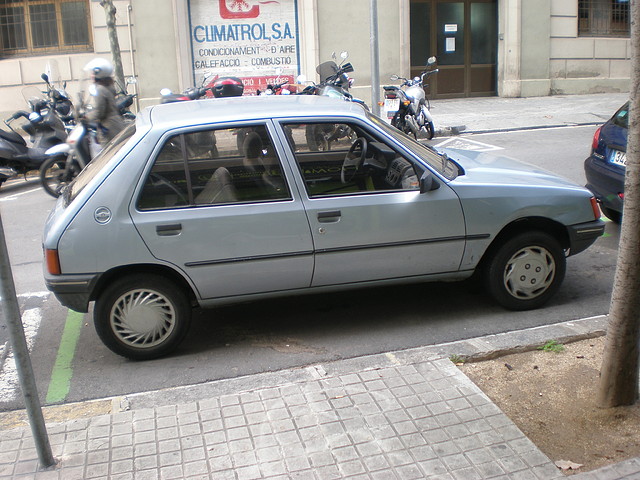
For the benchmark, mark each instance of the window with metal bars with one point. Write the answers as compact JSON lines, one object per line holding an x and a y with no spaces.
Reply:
{"x":603,"y":18}
{"x":33,"y":27}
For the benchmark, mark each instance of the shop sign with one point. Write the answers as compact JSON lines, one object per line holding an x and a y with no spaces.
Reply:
{"x":256,"y":40}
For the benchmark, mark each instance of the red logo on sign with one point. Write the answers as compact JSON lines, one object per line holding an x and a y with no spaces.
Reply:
{"x":240,"y":9}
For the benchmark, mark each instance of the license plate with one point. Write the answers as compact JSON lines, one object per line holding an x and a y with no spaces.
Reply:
{"x":618,"y":158}
{"x":391,"y":104}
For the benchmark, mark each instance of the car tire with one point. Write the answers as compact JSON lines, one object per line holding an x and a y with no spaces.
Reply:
{"x":142,"y":316}
{"x":613,"y":215}
{"x":526,"y":271}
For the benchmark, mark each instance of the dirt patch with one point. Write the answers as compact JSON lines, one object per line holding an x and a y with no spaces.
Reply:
{"x":550,"y":396}
{"x":57,"y":413}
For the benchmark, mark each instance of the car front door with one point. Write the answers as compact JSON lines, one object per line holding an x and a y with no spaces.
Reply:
{"x":216,"y":205}
{"x":368,"y":219}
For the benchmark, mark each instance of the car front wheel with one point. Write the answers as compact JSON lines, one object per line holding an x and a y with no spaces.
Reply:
{"x":142,"y":316}
{"x":525,"y":271}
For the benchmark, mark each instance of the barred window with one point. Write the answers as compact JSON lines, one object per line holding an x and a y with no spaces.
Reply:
{"x":34,"y":27}
{"x":603,"y":18}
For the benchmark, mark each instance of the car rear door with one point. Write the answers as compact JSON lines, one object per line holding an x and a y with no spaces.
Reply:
{"x":224,"y":213}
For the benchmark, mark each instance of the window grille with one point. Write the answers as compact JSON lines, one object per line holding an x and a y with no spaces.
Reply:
{"x":34,"y":27}
{"x":603,"y":18}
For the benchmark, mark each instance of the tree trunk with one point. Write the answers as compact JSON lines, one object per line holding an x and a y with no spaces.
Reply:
{"x":110,"y":14}
{"x":619,"y":371}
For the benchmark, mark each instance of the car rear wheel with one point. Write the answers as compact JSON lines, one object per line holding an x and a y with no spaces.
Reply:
{"x":526,"y":271}
{"x":142,"y":316}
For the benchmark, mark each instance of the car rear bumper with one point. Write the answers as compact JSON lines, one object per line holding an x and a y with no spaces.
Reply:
{"x":583,"y":235}
{"x":606,"y":182}
{"x":72,"y":291}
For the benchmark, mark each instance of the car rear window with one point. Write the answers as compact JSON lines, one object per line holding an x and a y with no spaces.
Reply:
{"x":90,"y":171}
{"x":621,"y":118}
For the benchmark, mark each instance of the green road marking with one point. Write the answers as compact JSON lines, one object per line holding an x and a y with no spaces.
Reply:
{"x":62,"y":370}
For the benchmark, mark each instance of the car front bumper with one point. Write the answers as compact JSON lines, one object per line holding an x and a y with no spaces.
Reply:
{"x":583,"y":235}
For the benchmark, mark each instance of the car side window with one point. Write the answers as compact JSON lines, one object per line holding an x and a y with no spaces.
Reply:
{"x":342,"y":159}
{"x":215,"y":167}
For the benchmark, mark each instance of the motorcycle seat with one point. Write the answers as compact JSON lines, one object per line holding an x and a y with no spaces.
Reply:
{"x":12,"y":137}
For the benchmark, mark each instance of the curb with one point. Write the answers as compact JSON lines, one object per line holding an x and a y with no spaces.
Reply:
{"x":469,"y":350}
{"x":474,"y":349}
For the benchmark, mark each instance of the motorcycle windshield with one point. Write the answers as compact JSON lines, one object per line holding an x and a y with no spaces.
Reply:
{"x":327,"y":70}
{"x":32,"y":95}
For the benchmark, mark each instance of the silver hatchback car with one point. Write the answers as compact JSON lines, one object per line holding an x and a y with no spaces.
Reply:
{"x":226,"y":200}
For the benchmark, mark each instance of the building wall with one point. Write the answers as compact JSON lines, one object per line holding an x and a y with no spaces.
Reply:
{"x":16,"y":73}
{"x":539,"y":51}
{"x":584,"y":64}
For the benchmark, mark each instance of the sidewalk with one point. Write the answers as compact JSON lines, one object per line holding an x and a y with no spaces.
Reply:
{"x":404,"y":415}
{"x":408,"y":414}
{"x":492,"y":114}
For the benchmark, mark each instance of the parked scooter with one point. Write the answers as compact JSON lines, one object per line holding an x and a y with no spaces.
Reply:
{"x":408,"y":106}
{"x":45,"y":129}
{"x":219,"y":87}
{"x":66,"y":160}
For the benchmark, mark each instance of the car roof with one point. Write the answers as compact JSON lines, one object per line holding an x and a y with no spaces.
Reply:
{"x":197,"y":112}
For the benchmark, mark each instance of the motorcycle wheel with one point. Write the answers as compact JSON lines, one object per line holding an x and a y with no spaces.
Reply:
{"x":54,"y":175}
{"x":430,"y":130}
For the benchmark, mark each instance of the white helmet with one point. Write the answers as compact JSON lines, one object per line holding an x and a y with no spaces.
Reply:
{"x":100,"y":68}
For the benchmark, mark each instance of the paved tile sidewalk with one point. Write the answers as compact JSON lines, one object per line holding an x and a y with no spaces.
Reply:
{"x":403,"y":415}
{"x":426,"y":420}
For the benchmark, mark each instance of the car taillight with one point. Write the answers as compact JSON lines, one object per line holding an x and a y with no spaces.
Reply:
{"x":596,"y":139}
{"x":595,"y":207}
{"x":53,"y":261}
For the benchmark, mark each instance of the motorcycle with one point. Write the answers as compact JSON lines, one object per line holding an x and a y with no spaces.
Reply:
{"x":335,"y":83}
{"x":408,"y":106}
{"x":219,"y":87}
{"x":66,"y":160}
{"x":45,"y":129}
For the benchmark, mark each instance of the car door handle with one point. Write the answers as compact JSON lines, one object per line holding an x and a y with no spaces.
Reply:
{"x":169,"y":230}
{"x":329,"y":217}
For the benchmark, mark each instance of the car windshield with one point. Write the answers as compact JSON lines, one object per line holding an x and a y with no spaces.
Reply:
{"x":85,"y":176}
{"x":438,"y":161}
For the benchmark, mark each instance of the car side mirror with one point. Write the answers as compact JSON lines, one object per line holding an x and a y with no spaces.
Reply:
{"x":428,"y":182}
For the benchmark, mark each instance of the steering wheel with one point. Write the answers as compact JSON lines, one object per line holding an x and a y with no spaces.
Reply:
{"x":353,"y":160}
{"x":160,"y":180}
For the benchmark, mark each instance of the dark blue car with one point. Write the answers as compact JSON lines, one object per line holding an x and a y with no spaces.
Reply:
{"x":605,"y":166}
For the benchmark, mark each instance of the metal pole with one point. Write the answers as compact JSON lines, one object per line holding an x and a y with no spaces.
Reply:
{"x":12,"y":318}
{"x":375,"y":59}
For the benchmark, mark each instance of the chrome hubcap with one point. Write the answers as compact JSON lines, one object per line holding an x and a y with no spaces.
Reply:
{"x":529,"y":272}
{"x":142,"y":318}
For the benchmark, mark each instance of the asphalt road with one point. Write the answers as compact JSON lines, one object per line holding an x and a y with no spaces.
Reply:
{"x":290,"y":332}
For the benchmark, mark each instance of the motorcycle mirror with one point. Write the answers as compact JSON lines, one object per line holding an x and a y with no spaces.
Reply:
{"x":394,"y":77}
{"x":131,"y":80}
{"x":344,"y":54}
{"x":431,"y":60}
{"x":333,"y":55}
{"x":45,"y":77}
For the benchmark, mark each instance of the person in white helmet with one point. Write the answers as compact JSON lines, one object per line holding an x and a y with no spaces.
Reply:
{"x":103,"y":98}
